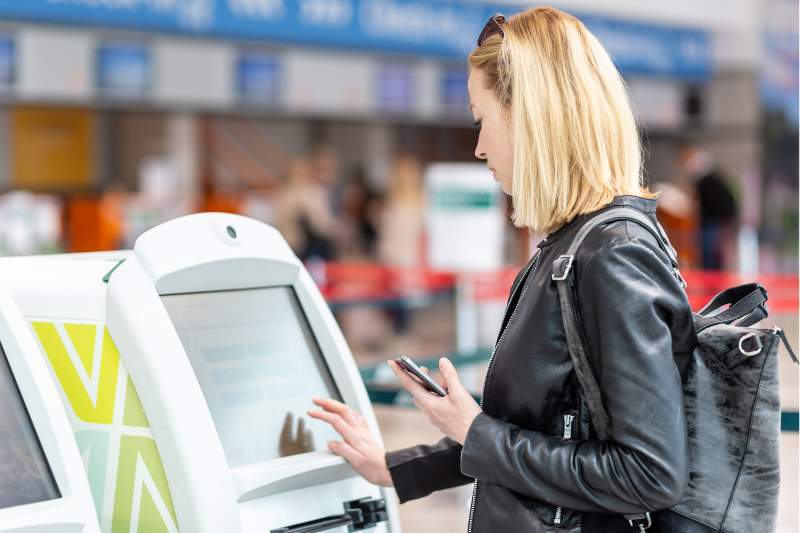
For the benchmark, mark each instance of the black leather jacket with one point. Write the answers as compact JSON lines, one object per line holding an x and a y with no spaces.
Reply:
{"x":537,"y":464}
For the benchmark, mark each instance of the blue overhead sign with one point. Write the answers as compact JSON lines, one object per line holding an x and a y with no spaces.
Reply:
{"x":396,"y":90}
{"x":7,"y":62}
{"x":433,"y":27}
{"x":258,"y":78}
{"x":124,"y":69}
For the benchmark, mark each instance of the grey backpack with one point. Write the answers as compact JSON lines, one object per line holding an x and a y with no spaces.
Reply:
{"x":730,"y":394}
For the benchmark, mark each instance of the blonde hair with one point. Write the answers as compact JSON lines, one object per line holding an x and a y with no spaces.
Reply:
{"x":576,"y":144}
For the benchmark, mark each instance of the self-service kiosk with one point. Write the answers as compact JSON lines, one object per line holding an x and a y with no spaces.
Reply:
{"x":43,"y":488}
{"x":186,"y":367}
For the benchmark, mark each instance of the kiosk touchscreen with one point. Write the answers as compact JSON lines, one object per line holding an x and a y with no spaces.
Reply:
{"x":257,"y":363}
{"x":228,"y":340}
{"x":43,"y":488}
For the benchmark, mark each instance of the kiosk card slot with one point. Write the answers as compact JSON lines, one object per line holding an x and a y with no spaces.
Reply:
{"x":358,"y":514}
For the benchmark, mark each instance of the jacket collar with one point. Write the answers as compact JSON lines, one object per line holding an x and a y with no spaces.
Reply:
{"x":646,"y":205}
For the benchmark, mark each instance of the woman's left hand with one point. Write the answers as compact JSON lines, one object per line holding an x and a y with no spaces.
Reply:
{"x":452,"y":414}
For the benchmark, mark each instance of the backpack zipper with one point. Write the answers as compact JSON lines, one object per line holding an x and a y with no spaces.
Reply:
{"x":779,"y":332}
{"x":568,"y":420}
{"x":558,"y":516}
{"x":532,"y":265}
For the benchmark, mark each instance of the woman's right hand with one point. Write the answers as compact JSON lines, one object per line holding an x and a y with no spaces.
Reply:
{"x":359,"y":448}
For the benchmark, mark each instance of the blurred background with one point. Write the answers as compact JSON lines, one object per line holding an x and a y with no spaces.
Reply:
{"x":345,"y":124}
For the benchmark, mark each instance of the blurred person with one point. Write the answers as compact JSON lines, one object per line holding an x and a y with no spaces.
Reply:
{"x":715,"y":203}
{"x":360,"y":213}
{"x":677,"y":212}
{"x":366,"y":327}
{"x":558,"y":134}
{"x":304,"y":216}
{"x":325,"y":169}
{"x":400,"y":242}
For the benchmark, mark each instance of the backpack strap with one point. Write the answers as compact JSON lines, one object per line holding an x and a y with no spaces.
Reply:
{"x":562,"y":268}
{"x":747,"y":305}
{"x":563,"y":265}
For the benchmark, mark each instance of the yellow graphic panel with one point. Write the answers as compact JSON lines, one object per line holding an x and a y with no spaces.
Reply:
{"x":91,"y":397}
{"x":140,"y":473}
{"x":83,"y":337}
{"x":134,"y":412}
{"x":126,"y":476}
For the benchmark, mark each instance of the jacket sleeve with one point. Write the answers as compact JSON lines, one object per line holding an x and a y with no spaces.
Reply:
{"x":419,"y":470}
{"x":629,"y":301}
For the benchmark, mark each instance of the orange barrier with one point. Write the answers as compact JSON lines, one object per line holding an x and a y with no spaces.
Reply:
{"x":782,"y":289}
{"x":370,"y":281}
{"x":93,"y":224}
{"x":701,"y":286}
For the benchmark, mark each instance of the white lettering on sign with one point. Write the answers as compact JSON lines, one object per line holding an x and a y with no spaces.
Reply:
{"x":415,"y":22}
{"x":193,"y":14}
{"x":328,"y":13}
{"x":196,"y":14}
{"x":634,"y":47}
{"x":258,"y":9}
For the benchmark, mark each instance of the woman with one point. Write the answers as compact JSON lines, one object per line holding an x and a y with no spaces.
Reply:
{"x":304,"y":215}
{"x":559,"y":136}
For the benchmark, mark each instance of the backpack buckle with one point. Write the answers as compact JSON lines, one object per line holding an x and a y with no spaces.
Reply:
{"x":756,"y":349}
{"x":566,"y":261}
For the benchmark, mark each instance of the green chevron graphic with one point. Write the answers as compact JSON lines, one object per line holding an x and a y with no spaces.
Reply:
{"x":126,"y":476}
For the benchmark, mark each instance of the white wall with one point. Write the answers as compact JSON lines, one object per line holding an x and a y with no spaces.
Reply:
{"x":329,"y":82}
{"x":193,"y":72}
{"x":55,"y":63}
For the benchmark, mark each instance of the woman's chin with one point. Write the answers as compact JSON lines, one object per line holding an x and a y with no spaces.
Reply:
{"x":506,"y":189}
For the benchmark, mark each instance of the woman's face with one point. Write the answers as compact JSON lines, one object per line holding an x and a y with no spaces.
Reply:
{"x":494,"y":140}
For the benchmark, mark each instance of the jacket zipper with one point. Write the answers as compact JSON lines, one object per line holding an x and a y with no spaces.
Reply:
{"x":532,"y":265}
{"x":558,"y":516}
{"x":779,"y":332}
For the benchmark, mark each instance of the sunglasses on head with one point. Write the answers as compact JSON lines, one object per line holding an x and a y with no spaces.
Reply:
{"x":493,"y":26}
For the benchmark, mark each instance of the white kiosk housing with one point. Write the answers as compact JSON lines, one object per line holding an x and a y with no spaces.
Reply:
{"x":43,"y":487}
{"x":187,"y":366}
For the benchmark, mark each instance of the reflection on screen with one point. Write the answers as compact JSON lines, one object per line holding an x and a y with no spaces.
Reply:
{"x":259,"y":367}
{"x":25,"y":476}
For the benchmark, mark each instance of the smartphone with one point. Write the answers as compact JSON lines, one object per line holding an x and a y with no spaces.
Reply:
{"x":411,"y":368}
